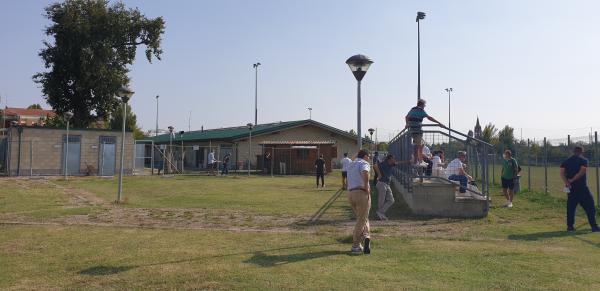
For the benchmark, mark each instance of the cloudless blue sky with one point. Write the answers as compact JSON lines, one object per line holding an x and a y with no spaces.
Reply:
{"x":531,"y":64}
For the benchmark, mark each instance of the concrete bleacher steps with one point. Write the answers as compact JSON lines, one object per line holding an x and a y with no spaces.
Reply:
{"x":439,"y":198}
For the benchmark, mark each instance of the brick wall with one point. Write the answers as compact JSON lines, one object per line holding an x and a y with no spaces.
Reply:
{"x":41,"y":150}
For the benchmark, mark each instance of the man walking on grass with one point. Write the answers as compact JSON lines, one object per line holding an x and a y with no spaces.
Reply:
{"x":510,"y":169}
{"x":320,"y":166}
{"x":385,"y":197}
{"x":345,"y":163}
{"x":573,"y":173}
{"x":359,"y":195}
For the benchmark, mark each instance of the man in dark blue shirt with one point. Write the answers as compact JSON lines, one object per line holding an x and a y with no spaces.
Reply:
{"x":385,"y":197}
{"x":573,"y":173}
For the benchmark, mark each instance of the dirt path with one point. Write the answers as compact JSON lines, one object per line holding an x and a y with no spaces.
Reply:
{"x":107,"y":214}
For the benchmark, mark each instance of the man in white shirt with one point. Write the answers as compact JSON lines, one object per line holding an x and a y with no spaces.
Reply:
{"x":456,"y":171}
{"x":359,"y":195}
{"x":437,"y":165}
{"x":345,"y":163}
{"x":212,"y":163}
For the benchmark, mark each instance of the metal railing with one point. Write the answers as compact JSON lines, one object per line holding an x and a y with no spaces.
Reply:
{"x":450,"y":141}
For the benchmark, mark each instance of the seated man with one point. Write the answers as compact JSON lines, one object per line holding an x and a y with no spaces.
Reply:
{"x":456,"y":171}
{"x":437,"y":164}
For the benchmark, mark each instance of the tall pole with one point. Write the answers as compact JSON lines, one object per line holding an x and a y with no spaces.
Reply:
{"x":597,"y":166}
{"x":358,"y":132}
{"x":156,"y":131}
{"x":256,"y":93}
{"x":249,"y":151}
{"x":67,"y":149}
{"x":119,"y":194}
{"x":418,"y":60}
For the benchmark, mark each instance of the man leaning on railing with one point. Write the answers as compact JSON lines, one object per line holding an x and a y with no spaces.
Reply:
{"x":414,"y":122}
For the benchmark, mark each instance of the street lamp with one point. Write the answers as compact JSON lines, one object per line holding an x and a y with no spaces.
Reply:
{"x":359,"y":64}
{"x":256,"y":92}
{"x":449,"y":90}
{"x":371,"y":131}
{"x":420,"y":16}
{"x":67,"y":116}
{"x":170,"y":156}
{"x":125,"y":93}
{"x":156,"y":131}
{"x":250,"y":126}
{"x":309,"y":113}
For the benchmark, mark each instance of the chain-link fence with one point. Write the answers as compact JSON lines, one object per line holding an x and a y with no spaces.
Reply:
{"x":540,"y":162}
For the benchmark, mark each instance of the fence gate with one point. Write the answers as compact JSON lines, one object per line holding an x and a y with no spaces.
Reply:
{"x":108,"y":156}
{"x":143,"y":156}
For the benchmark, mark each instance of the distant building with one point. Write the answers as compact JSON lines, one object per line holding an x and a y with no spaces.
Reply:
{"x":26,"y":117}
{"x":477,"y":130}
{"x":294,"y":146}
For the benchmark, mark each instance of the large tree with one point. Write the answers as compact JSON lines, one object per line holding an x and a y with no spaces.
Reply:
{"x":506,"y":138}
{"x":34,"y":106}
{"x":116,"y":121}
{"x":93,"y":45}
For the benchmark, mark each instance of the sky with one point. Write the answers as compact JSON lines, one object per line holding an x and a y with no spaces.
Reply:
{"x":533,"y":65}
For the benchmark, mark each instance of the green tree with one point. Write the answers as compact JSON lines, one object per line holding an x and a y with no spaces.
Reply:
{"x":93,"y":45}
{"x":116,"y":122}
{"x":506,"y":138}
{"x":34,"y":106}
{"x":488,"y":134}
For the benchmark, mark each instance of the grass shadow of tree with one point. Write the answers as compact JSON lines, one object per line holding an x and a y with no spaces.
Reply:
{"x":543,"y":235}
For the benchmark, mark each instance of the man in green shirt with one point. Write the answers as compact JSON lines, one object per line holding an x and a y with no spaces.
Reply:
{"x":509,"y":174}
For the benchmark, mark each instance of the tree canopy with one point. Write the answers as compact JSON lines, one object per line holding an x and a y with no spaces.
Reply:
{"x":34,"y":106}
{"x":93,"y":44}
{"x":116,"y":121}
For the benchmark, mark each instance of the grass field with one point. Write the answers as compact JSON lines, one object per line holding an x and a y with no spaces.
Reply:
{"x":253,"y":233}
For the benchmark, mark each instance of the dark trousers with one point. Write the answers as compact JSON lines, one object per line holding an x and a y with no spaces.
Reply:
{"x":429,"y":169}
{"x":584,"y":198}
{"x":225,"y":170}
{"x":463,"y":180}
{"x":322,"y":176}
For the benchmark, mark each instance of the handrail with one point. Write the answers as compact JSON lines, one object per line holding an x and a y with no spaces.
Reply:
{"x":441,"y":132}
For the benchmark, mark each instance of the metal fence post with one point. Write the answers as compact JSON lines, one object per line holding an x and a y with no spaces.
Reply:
{"x":31,"y":158}
{"x":494,"y":169}
{"x":545,"y":166}
{"x":597,"y":165}
{"x":528,"y":165}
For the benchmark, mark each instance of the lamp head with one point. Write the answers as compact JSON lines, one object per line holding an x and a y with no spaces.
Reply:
{"x":371,"y":131}
{"x":420,"y":16}
{"x":171,"y":128}
{"x":125,"y":93}
{"x":68,"y":115}
{"x":359,"y":64}
{"x":250,"y":126}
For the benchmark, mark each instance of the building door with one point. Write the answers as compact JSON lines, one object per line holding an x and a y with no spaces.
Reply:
{"x":73,"y":155}
{"x":108,"y":152}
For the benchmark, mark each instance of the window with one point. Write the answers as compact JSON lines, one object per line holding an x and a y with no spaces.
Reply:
{"x":108,"y":139}
{"x":302,"y":154}
{"x":72,"y":138}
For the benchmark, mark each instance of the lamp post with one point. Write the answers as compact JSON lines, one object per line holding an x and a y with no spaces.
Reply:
{"x":371,"y":131}
{"x":256,"y":92}
{"x":250,"y":126}
{"x":449,"y":90}
{"x":67,"y":115}
{"x":125,"y":93}
{"x":420,"y":16}
{"x":156,"y":130}
{"x":309,"y":113}
{"x":170,"y":156}
{"x":359,"y":64}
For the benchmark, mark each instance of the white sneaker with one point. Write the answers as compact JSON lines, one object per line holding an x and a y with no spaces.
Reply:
{"x":356,"y":250}
{"x":381,"y":216}
{"x":509,"y":205}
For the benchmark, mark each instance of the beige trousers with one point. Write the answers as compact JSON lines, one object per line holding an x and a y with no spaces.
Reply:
{"x":360,"y":202}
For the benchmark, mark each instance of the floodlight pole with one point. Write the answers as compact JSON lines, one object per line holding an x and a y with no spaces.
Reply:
{"x":420,"y":16}
{"x":256,"y":92}
{"x":156,"y":130}
{"x":120,"y":192}
{"x":249,"y":145}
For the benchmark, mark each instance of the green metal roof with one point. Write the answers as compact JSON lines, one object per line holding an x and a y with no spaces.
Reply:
{"x":238,"y":132}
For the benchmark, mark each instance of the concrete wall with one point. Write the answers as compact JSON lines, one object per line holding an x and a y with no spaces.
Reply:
{"x":41,"y":150}
{"x":438,"y":199}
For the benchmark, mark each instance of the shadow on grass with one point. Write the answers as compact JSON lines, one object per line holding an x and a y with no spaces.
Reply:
{"x":259,"y":258}
{"x":543,"y":235}
{"x":105,"y":270}
{"x":264,"y":260}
